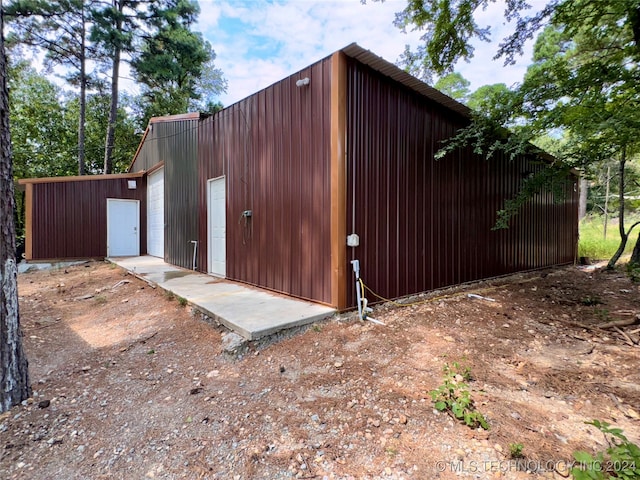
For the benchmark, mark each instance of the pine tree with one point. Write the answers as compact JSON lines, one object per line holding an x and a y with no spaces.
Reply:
{"x":14,"y":369}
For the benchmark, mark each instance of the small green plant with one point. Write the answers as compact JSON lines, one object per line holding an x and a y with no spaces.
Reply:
{"x":169,"y":295}
{"x":101,"y":299}
{"x":316,"y":328}
{"x":515,"y":450}
{"x":590,"y":301}
{"x":392,"y":451}
{"x":182,"y":301}
{"x":453,"y":396}
{"x":602,"y":314}
{"x":620,"y":460}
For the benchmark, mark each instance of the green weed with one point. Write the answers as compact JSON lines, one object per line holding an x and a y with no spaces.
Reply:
{"x":590,"y":301}
{"x":515,"y":450}
{"x":620,"y":460}
{"x":453,"y":396}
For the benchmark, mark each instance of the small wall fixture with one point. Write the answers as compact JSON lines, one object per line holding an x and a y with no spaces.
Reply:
{"x":132,"y":184}
{"x":303,"y":82}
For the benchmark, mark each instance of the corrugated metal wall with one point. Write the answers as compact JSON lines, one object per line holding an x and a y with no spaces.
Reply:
{"x":70,"y":218}
{"x":273,"y":148}
{"x":176,"y":144}
{"x":425,"y":224}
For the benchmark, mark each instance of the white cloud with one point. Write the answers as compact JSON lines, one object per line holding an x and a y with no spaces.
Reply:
{"x":258,"y":42}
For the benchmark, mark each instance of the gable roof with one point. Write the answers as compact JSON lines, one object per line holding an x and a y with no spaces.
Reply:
{"x":390,"y":70}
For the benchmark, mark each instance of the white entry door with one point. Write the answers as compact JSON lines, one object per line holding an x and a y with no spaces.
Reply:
{"x":123,"y":227}
{"x":155,"y":213}
{"x":216,"y":205}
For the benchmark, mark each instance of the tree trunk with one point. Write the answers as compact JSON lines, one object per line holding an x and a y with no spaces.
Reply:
{"x":113,"y":111}
{"x":83,"y":100}
{"x":582,"y":201}
{"x":14,"y":373}
{"x":113,"y":116}
{"x":606,"y":202}
{"x":623,"y":234}
{"x":635,"y":255}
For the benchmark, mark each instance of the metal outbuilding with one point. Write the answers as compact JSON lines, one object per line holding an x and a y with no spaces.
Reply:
{"x":267,"y":190}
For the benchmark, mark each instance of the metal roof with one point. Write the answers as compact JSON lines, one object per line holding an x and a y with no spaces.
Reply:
{"x":390,"y":70}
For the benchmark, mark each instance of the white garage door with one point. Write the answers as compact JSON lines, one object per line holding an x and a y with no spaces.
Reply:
{"x":155,"y":213}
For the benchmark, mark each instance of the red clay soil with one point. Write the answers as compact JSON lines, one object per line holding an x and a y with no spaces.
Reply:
{"x":130,"y":384}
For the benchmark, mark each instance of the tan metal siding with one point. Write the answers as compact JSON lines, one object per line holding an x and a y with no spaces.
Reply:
{"x":70,"y":218}
{"x":426,"y":224}
{"x":178,"y":148}
{"x":273,"y":148}
{"x":175,"y":143}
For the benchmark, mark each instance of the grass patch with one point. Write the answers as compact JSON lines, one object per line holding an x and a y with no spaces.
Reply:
{"x":594,"y":245}
{"x":101,"y":299}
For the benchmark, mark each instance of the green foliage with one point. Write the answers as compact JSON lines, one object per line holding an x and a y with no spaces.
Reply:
{"x":173,"y":61}
{"x":41,"y":142}
{"x":602,"y":314}
{"x":485,"y":97}
{"x":126,"y":140}
{"x":550,"y":178}
{"x":583,"y":87}
{"x":453,"y":396}
{"x":590,"y":301}
{"x":454,"y":85}
{"x":448,"y":28}
{"x":621,"y":458}
{"x":515,"y":450}
{"x":44,"y":123}
{"x":182,"y":301}
{"x":59,"y":28}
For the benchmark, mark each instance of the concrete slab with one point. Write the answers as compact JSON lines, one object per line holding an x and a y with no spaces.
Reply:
{"x":250,"y":312}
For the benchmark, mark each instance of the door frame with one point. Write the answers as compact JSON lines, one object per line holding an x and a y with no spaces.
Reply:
{"x":209,"y":246}
{"x":128,"y":200}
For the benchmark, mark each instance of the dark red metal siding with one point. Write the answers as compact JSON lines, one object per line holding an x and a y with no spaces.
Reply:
{"x":425,"y":224}
{"x":70,"y":218}
{"x":273,"y":149}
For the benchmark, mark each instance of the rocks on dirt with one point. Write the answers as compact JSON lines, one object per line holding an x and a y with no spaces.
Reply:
{"x":233,"y":344}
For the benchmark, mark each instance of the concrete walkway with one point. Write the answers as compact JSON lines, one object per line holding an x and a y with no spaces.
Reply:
{"x":248,"y":311}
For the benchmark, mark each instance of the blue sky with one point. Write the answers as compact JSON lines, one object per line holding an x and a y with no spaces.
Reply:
{"x":258,"y":42}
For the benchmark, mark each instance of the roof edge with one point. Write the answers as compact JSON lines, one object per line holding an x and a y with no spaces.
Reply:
{"x":79,"y":178}
{"x":392,"y":71}
{"x":175,"y":118}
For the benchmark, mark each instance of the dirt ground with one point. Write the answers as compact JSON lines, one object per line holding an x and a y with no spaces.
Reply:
{"x":130,"y":384}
